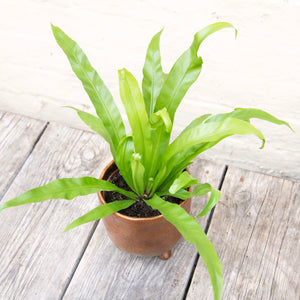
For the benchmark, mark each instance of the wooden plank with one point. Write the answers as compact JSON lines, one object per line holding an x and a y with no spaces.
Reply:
{"x":36,"y":259}
{"x":18,"y":135}
{"x":255,"y":229}
{"x":106,"y":272}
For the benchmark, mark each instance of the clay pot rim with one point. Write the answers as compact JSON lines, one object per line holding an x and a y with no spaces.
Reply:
{"x":133,"y":219}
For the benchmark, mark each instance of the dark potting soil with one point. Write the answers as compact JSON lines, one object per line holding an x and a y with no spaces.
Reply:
{"x":139,"y":209}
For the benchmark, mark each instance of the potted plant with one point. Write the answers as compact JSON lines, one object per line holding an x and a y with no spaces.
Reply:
{"x":148,"y":176}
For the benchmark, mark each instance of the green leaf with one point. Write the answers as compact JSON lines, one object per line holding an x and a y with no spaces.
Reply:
{"x":161,"y":127}
{"x":193,"y":233}
{"x":246,"y":114}
{"x":210,"y":132}
{"x":162,"y":115}
{"x":138,"y":173}
{"x":96,"y":125}
{"x":65,"y":188}
{"x":196,"y":122}
{"x":180,"y":160}
{"x":158,"y":180}
{"x":177,"y":163}
{"x":123,"y":159}
{"x":185,"y":72}
{"x":153,"y":77}
{"x":199,"y":190}
{"x":133,"y":101}
{"x":184,"y":181}
{"x":203,"y":189}
{"x":177,"y":84}
{"x":193,"y":141}
{"x":100,"y":212}
{"x":99,"y":94}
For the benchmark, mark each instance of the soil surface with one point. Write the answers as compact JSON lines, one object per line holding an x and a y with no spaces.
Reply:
{"x":139,"y":209}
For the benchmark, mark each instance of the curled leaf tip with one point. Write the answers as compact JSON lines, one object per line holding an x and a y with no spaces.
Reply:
{"x":289,"y":126}
{"x":263,"y":144}
{"x":236,"y":32}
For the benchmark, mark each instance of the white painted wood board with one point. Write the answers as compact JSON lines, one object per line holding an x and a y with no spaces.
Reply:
{"x":259,"y":69}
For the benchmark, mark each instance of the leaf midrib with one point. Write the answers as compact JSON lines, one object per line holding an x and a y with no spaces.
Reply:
{"x":176,"y":90}
{"x":226,"y":132}
{"x":116,"y":133}
{"x":136,"y":114}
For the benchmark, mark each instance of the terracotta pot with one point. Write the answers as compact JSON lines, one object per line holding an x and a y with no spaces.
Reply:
{"x":153,"y":236}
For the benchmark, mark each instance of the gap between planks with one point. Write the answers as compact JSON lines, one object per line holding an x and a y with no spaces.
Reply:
{"x":11,"y":180}
{"x":208,"y":222}
{"x":79,"y":258}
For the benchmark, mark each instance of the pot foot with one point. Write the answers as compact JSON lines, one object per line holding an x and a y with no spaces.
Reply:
{"x":166,"y":255}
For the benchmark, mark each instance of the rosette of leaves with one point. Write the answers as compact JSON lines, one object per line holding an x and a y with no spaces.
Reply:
{"x":152,"y":166}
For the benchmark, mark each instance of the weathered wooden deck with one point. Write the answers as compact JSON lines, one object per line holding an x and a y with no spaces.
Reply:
{"x":254,"y":228}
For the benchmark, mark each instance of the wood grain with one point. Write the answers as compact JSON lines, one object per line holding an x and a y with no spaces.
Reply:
{"x":106,"y":272}
{"x":36,"y":259}
{"x":256,"y":230}
{"x":17,"y":138}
